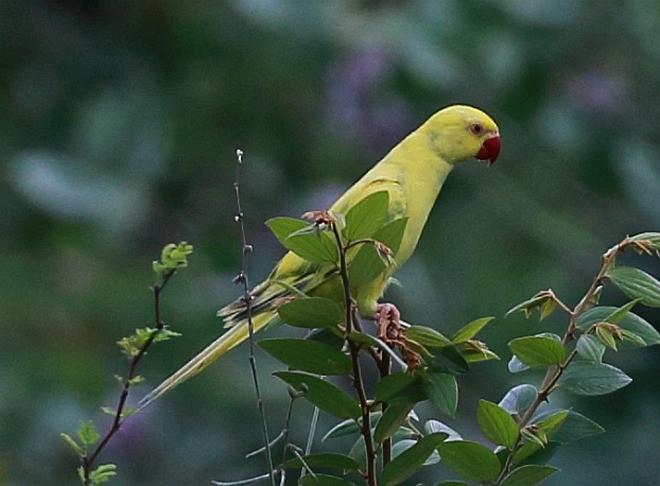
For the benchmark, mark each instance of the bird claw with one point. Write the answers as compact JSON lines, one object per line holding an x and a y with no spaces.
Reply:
{"x":388,"y":320}
{"x":390,"y":331}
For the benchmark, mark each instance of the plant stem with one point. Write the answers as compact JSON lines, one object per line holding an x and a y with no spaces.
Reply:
{"x":384,"y":368}
{"x":247,"y":297}
{"x":554,"y":373}
{"x":354,"y":350}
{"x":88,"y":460}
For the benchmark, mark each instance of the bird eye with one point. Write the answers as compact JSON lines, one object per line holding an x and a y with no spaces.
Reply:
{"x":476,"y":129}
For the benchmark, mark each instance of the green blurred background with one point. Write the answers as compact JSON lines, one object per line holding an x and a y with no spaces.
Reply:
{"x":118,"y":126}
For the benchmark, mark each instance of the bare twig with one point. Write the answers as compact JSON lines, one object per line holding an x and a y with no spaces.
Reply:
{"x":247,"y":297}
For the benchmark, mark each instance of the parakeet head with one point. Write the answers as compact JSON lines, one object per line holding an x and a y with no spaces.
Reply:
{"x":460,"y":132}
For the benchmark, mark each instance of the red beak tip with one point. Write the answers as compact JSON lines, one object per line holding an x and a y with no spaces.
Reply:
{"x":490,"y":149}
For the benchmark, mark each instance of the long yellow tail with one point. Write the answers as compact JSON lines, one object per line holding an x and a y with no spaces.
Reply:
{"x":235,"y":336}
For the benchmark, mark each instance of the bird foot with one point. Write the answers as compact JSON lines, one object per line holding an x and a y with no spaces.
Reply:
{"x":388,"y":320}
{"x":390,"y":331}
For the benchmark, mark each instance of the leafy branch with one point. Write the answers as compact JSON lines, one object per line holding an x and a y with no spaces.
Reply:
{"x":593,"y":334}
{"x":135,"y":346}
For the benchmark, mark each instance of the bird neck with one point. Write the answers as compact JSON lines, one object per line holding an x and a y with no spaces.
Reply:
{"x":421,"y":172}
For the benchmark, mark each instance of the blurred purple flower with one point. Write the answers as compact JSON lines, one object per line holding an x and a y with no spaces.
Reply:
{"x":358,"y":104}
{"x":598,"y":91}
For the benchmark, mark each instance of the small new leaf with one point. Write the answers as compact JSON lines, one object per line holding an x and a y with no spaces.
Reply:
{"x":539,"y":301}
{"x":470,"y":330}
{"x":131,"y":345}
{"x":646,"y":243}
{"x":87,"y":433}
{"x":173,"y":257}
{"x":103,"y":473}
{"x":108,"y":411}
{"x":605,"y":333}
{"x":74,"y":445}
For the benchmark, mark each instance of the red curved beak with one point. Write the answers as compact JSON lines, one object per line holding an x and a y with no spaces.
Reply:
{"x":490,"y":149}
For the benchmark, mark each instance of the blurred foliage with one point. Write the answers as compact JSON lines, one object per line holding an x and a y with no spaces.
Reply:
{"x":118,"y":126}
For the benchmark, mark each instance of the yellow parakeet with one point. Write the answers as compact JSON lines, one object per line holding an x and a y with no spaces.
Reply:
{"x":412,"y":174}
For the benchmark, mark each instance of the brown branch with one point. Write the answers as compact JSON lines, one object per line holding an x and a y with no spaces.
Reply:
{"x":117,"y":421}
{"x":554,"y":373}
{"x":354,"y":351}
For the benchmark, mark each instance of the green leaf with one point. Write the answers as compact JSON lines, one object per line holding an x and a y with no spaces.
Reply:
{"x":636,"y":284}
{"x":314,"y":246}
{"x":631,"y":339}
{"x":408,"y":462}
{"x":516,"y":366}
{"x":547,"y":308}
{"x":367,"y":216}
{"x":400,"y":386}
{"x":629,"y":321}
{"x":102,"y":473}
{"x":497,"y":425}
{"x":399,"y":446}
{"x":310,"y":356}
{"x":533,"y":453}
{"x":362,"y":339}
{"x":442,"y":391}
{"x":426,"y":336}
{"x":74,"y":445}
{"x":448,"y":360}
{"x":538,"y":351}
{"x":646,"y":243}
{"x":546,"y":427}
{"x":391,"y":419}
{"x":616,"y":316}
{"x":606,"y":336}
{"x":574,"y":427}
{"x":470,"y":459}
{"x":131,"y":345}
{"x":528,"y":475}
{"x":366,"y":265}
{"x":324,"y":460}
{"x":350,"y":427}
{"x":311,"y":312}
{"x":322,"y":480}
{"x":536,"y":302}
{"x":470,"y":330}
{"x":590,"y":348}
{"x":436,"y":426}
{"x":474,"y":352}
{"x":584,"y":378}
{"x":173,"y":257}
{"x":324,"y":395}
{"x":282,"y":227}
{"x":87,"y":433}
{"x":518,"y":399}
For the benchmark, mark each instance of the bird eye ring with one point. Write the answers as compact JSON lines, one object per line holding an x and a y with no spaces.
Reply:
{"x":476,"y":129}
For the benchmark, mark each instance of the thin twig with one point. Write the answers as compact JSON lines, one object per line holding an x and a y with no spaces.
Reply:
{"x":247,"y":297}
{"x":117,"y":421}
{"x":354,"y":350}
